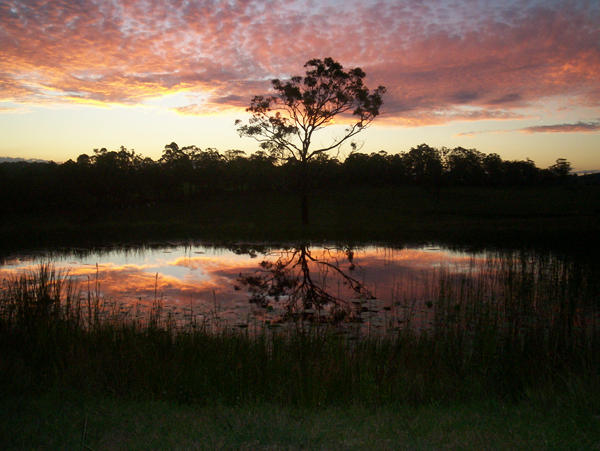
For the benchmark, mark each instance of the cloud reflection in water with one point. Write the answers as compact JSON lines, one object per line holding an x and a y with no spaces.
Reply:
{"x":207,"y":279}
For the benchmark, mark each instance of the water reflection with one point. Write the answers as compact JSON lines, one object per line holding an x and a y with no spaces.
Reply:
{"x":310,"y":284}
{"x":245,"y":283}
{"x":371,"y":287}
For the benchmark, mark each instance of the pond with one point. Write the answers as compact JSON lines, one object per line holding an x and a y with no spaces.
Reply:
{"x":370,"y":288}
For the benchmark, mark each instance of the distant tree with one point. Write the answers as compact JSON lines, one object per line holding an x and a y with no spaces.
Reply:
{"x":493,"y":168}
{"x":521,"y":172}
{"x":236,"y":173}
{"x":83,"y":160}
{"x":465,"y":166}
{"x":285,"y":122}
{"x":234,"y":154}
{"x":561,"y":168}
{"x":173,"y":155}
{"x":373,"y":169}
{"x":399,"y":169}
{"x":263,"y":174}
{"x":114,"y":172}
{"x":425,"y":165}
{"x":210,"y":166}
{"x":123,"y":159}
{"x":178,"y":170}
{"x":262,"y":156}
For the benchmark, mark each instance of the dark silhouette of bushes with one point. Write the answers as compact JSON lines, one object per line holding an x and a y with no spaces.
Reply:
{"x":123,"y":178}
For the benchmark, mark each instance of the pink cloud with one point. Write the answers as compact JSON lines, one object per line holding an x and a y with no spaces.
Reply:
{"x":433,"y":58}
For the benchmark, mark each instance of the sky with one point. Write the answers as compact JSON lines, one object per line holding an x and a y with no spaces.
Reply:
{"x":518,"y":78}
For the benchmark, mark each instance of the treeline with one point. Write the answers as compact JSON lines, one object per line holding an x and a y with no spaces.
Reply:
{"x":124,"y":178}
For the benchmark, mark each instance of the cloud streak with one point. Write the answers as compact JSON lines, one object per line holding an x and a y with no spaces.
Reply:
{"x":435,"y":58}
{"x":577,"y":127}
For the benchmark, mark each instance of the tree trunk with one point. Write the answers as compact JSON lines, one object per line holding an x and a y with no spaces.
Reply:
{"x":304,"y":192}
{"x":304,"y":208}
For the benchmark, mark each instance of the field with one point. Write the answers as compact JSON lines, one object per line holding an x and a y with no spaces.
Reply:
{"x":71,"y":421}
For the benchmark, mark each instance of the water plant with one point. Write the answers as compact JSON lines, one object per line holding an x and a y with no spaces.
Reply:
{"x":479,"y":343}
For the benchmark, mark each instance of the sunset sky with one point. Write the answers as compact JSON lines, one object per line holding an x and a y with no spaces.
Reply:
{"x":515,"y":77}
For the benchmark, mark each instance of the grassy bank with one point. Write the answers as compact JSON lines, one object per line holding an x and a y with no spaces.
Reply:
{"x":511,"y":360}
{"x":71,"y":421}
{"x":566,"y":217}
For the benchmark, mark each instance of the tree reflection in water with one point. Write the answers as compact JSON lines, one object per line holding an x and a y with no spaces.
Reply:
{"x":298,"y":281}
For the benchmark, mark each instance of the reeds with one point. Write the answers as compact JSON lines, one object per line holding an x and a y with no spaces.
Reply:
{"x":520,"y":319}
{"x":516,"y":326}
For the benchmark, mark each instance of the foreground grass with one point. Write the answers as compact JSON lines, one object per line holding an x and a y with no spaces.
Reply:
{"x":71,"y":421}
{"x":516,"y":327}
{"x":515,"y":368}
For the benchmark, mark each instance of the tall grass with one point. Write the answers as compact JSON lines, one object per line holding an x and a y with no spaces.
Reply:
{"x":514,"y":322}
{"x":515,"y":328}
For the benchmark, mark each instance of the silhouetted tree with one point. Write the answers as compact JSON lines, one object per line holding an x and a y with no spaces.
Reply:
{"x":425,"y":165}
{"x":179,"y":167}
{"x":465,"y":166}
{"x":493,"y":168}
{"x":83,"y":160}
{"x":560,"y":169}
{"x":285,"y":123}
{"x":373,"y":169}
{"x":123,"y":178}
{"x":521,"y":172}
{"x":209,"y":165}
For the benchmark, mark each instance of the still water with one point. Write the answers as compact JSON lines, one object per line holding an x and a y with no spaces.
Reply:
{"x":380,"y":288}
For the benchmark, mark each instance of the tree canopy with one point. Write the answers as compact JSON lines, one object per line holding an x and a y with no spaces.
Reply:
{"x":285,"y":122}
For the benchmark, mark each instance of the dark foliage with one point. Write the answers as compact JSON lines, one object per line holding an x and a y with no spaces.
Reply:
{"x":123,"y":178}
